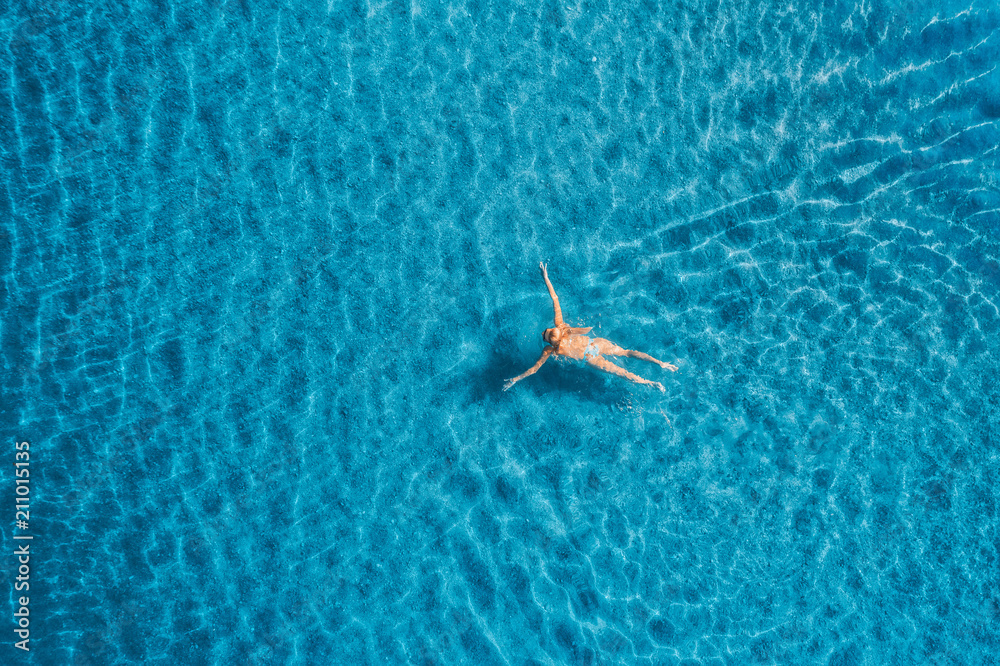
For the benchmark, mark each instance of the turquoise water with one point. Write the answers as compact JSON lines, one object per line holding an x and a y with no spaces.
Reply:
{"x":267,"y":266}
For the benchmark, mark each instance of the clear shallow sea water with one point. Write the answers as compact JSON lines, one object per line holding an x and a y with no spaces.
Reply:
{"x":266,"y":266}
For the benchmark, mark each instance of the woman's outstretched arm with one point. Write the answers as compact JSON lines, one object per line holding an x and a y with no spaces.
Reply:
{"x":530,"y":371}
{"x":552,"y":293}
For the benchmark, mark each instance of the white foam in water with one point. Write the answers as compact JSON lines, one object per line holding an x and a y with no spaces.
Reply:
{"x":854,"y":174}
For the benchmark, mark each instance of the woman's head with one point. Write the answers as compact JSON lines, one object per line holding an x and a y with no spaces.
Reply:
{"x":552,"y":335}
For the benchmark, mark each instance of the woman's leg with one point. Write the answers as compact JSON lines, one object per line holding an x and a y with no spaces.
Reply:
{"x":611,"y":349}
{"x":646,"y":357}
{"x":607,"y":366}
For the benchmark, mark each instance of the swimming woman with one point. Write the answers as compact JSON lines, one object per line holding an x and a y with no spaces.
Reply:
{"x":564,"y":340}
